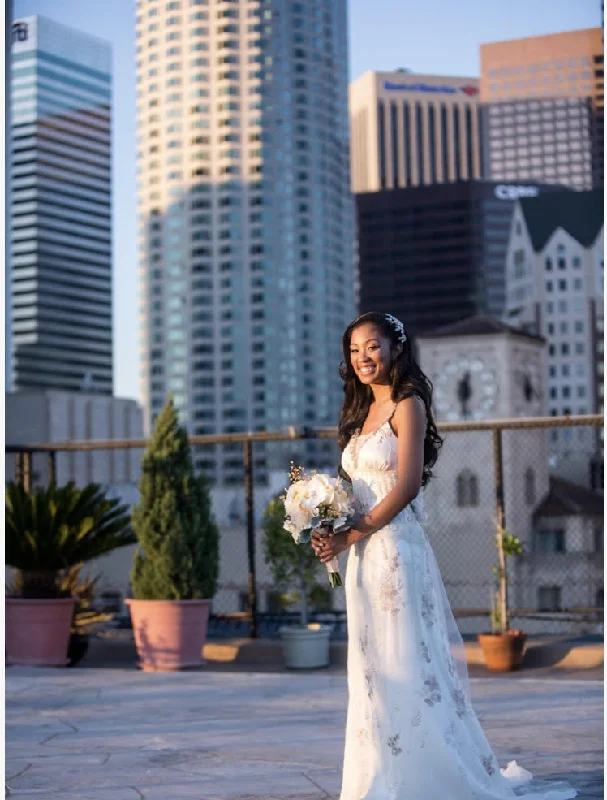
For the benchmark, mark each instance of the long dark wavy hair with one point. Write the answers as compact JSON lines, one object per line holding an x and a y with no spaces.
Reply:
{"x":406,"y":380}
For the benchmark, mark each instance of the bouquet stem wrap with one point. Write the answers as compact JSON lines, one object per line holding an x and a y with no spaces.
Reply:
{"x":332,"y":565}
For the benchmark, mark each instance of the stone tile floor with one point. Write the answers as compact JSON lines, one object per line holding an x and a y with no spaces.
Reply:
{"x":119,"y":734}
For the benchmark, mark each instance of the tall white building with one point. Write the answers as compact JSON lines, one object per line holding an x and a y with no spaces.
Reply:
{"x":555,"y":287}
{"x":61,"y":230}
{"x":245,"y":215}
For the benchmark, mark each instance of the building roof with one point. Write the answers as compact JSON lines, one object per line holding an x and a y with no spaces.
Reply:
{"x":566,"y":499}
{"x":579,"y":213}
{"x":478,"y":325}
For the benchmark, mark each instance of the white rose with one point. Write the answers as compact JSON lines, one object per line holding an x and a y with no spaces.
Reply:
{"x":316,"y":493}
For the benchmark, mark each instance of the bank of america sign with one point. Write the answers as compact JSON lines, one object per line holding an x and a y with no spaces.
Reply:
{"x":467,"y":89}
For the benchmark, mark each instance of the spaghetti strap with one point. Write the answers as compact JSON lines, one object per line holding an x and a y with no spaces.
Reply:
{"x":389,"y":420}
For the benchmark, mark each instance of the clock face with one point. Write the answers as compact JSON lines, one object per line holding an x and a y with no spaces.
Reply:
{"x":466,"y":388}
{"x":528,"y":398}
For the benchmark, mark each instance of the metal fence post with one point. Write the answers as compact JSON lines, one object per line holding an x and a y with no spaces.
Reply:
{"x":52,"y":468}
{"x":500,"y":518}
{"x":27,"y":471}
{"x":249,"y":501}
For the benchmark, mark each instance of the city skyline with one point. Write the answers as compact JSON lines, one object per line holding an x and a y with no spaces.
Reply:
{"x":394,"y":36}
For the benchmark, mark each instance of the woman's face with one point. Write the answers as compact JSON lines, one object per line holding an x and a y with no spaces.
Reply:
{"x":370,"y":354}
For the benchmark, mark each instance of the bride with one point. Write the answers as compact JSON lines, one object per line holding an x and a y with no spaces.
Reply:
{"x":411,"y":732}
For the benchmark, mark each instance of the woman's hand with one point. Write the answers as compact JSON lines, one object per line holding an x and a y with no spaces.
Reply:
{"x":328,"y":547}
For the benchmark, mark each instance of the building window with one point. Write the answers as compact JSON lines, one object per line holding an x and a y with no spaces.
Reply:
{"x":530,"y":494}
{"x":444,"y":140}
{"x":419,"y":136}
{"x":456,"y":143}
{"x":407,"y":137}
{"x":467,"y":489}
{"x":382,"y":143}
{"x":469,"y":142}
{"x":394,"y":136}
{"x":549,"y":598}
{"x":551,"y":540}
{"x":432,"y":142}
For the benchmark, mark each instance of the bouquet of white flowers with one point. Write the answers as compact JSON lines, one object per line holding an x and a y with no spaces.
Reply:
{"x":319,"y":501}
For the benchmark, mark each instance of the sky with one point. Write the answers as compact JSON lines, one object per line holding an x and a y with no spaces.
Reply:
{"x":440,"y":37}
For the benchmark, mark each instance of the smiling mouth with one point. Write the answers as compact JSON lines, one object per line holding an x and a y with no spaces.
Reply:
{"x":366,"y":370}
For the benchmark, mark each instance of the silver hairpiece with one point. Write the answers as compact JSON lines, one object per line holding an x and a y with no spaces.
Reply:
{"x":398,"y":327}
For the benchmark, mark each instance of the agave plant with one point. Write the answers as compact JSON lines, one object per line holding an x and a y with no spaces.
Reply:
{"x":54,"y":528}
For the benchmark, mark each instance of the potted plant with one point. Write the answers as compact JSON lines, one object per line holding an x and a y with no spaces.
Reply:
{"x":82,"y":587}
{"x":306,"y":645}
{"x":49,"y":530}
{"x":174,"y":575}
{"x":503,"y":648}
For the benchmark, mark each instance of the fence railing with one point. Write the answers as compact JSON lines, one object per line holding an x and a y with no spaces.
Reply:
{"x":505,"y":479}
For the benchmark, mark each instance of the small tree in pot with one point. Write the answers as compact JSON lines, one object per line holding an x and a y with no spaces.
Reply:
{"x":503,"y":648}
{"x":295,"y":566}
{"x":174,"y":575}
{"x":49,"y":531}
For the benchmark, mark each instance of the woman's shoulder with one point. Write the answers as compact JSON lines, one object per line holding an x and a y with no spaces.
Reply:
{"x":412,"y":400}
{"x":411,"y":407}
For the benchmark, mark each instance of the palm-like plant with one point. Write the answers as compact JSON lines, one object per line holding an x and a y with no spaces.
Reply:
{"x":53,"y":528}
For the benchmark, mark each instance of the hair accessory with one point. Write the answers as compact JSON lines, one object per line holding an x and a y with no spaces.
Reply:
{"x":398,"y":327}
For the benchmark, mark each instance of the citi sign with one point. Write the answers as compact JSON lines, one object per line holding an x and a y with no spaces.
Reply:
{"x":508,"y":192}
{"x":467,"y":89}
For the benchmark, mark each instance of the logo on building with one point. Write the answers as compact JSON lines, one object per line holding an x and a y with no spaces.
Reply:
{"x":508,"y":192}
{"x":468,"y":89}
{"x":19,"y":32}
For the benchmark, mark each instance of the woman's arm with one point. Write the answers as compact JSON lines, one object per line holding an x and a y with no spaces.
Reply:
{"x":409,"y":422}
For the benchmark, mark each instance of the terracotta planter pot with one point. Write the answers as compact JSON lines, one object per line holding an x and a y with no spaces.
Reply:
{"x":503,"y":651}
{"x":78,"y":648}
{"x":38,"y":631}
{"x":169,"y":634}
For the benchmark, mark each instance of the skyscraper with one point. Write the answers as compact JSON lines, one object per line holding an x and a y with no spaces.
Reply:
{"x":434,"y":255}
{"x":61,"y":208}
{"x":245,"y":214}
{"x":8,"y":26}
{"x":413,"y":130}
{"x":543,"y":103}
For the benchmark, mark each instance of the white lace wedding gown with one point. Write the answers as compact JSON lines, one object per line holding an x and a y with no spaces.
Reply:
{"x":411,"y":732}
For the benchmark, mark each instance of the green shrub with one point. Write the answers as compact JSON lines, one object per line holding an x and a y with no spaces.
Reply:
{"x":179,"y":541}
{"x":293,"y":566}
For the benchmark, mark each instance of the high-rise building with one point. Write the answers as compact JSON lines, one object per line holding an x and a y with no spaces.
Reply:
{"x":555,"y":265}
{"x":245,"y":216}
{"x":543,"y":108}
{"x":61,"y":232}
{"x":412,"y":130}
{"x":8,"y":32}
{"x":434,"y":255}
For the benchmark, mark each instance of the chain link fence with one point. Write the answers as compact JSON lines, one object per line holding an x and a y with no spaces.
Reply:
{"x":545,"y":475}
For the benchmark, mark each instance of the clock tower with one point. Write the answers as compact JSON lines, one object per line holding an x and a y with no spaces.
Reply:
{"x":482,"y":369}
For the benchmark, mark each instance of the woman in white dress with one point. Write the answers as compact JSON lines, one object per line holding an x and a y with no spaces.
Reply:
{"x":411,"y":732}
